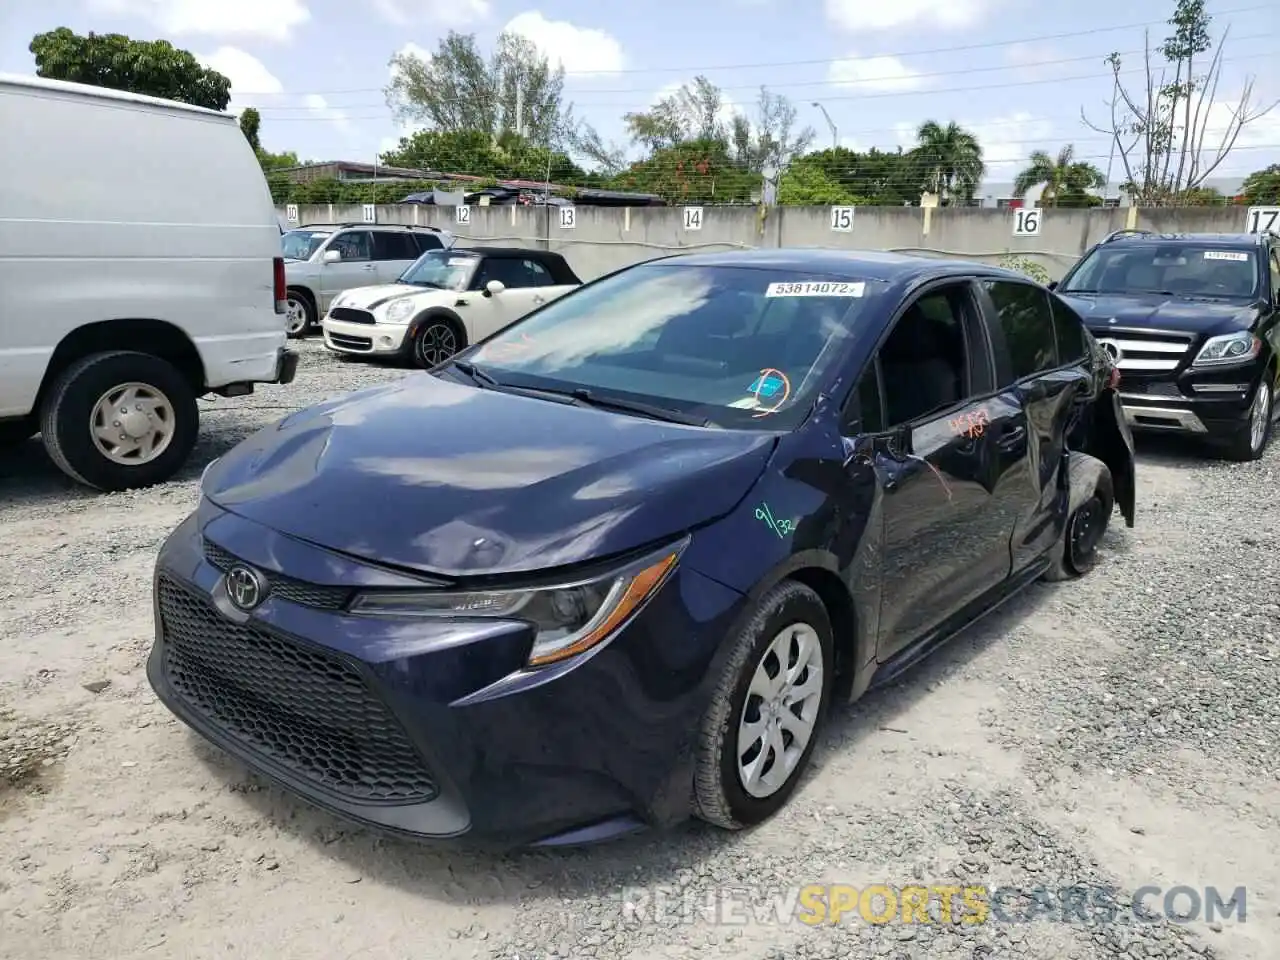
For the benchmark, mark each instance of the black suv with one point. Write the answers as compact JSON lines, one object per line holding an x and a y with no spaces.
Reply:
{"x":1191,"y":322}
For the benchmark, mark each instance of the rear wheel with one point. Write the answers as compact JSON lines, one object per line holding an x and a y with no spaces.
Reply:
{"x":1250,"y":441}
{"x":299,"y":313}
{"x":120,"y":420}
{"x":759,"y":729}
{"x":1076,"y":552}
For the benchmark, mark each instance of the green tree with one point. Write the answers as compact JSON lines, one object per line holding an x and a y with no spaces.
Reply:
{"x":1262,"y":187}
{"x":511,"y":157}
{"x":458,"y":90}
{"x":948,"y":160}
{"x":1067,"y":181}
{"x":806,"y":184}
{"x":695,"y":171}
{"x":1161,"y":128}
{"x":884,"y":178}
{"x":152,"y":67}
{"x":250,"y":122}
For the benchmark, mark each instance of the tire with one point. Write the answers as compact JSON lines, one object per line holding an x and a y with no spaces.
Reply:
{"x":723,"y":796}
{"x":300,"y":314}
{"x":74,"y":403}
{"x":437,"y":337}
{"x":1076,"y":551}
{"x":1250,"y":442}
{"x":14,"y":432}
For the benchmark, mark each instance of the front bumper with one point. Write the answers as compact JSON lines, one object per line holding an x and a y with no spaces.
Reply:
{"x":431,"y":729}
{"x":370,"y":339}
{"x":1210,"y":402}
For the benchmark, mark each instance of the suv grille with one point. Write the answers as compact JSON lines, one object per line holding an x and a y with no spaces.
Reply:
{"x":1145,"y":351}
{"x":302,"y":707}
{"x":286,"y":588}
{"x":351,"y":315}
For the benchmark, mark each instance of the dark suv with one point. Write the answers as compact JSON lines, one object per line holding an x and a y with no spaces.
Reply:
{"x":1191,"y":322}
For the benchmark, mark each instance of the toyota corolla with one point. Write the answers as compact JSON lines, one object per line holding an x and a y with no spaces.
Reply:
{"x":610,"y":567}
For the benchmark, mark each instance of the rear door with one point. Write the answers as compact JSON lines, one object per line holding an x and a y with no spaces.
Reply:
{"x":393,"y":252}
{"x":356,"y":268}
{"x":1042,"y":375}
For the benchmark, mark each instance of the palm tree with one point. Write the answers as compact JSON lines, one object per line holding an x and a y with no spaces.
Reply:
{"x":1064,"y":178}
{"x":950,"y":159}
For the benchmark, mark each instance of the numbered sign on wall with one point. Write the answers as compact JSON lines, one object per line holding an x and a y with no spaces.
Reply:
{"x":1026,"y":222}
{"x":370,"y":213}
{"x":462,"y":214}
{"x":568,"y":218}
{"x":842,"y":219}
{"x":693,"y":218}
{"x":291,"y":212}
{"x":1263,"y":220}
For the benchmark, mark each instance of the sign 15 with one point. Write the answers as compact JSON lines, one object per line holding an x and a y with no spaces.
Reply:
{"x":291,"y":212}
{"x":693,"y":218}
{"x":842,"y":219}
{"x":568,"y":218}
{"x":462,"y":214}
{"x":370,"y":213}
{"x":1263,"y":220}
{"x":1026,"y":222}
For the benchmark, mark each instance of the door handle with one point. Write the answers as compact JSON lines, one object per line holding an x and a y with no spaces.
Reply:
{"x":369,"y":266}
{"x":539,"y":299}
{"x":1012,"y":437}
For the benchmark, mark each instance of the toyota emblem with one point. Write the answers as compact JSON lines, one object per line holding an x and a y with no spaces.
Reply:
{"x":245,"y":588}
{"x":1113,"y":350}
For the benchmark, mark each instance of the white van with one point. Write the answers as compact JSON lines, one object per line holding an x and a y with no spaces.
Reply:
{"x":140,"y":268}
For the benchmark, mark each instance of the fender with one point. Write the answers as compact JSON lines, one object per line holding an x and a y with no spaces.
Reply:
{"x":435,"y":313}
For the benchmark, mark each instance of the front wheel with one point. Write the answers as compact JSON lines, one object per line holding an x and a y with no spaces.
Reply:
{"x":434,"y":342}
{"x":759,"y":729}
{"x":1251,"y":440}
{"x":120,"y":420}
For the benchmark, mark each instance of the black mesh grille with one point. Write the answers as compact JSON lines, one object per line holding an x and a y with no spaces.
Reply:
{"x":286,"y":588}
{"x":351,"y":315}
{"x":351,"y":343}
{"x":304,"y":708}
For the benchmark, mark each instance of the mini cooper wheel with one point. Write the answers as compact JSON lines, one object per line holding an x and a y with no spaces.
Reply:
{"x":759,"y":730}
{"x":1250,"y":441}
{"x":299,"y":315}
{"x":434,"y":342}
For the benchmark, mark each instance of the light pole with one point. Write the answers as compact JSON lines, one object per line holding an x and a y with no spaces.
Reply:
{"x":835,"y":136}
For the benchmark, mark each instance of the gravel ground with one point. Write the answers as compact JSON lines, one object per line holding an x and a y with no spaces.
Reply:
{"x":1115,"y":732}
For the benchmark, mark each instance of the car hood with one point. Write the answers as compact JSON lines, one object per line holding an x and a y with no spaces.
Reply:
{"x":1161,"y":313}
{"x":371,"y":298}
{"x":454,"y":480}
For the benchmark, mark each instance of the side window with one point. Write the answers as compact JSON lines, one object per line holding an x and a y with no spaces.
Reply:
{"x":1275,"y":276}
{"x":536,"y":275}
{"x":925,"y":361}
{"x":870,"y":408}
{"x":353,"y":245}
{"x":388,"y":245}
{"x":515,"y":273}
{"x":1023,"y":313}
{"x":1069,"y":332}
{"x":425,"y":242}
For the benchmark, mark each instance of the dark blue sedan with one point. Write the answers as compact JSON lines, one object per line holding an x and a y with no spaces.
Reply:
{"x":610,"y":568}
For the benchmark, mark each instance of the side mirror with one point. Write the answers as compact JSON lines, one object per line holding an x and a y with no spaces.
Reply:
{"x":332,"y":256}
{"x":1052,"y":284}
{"x":494,"y":287}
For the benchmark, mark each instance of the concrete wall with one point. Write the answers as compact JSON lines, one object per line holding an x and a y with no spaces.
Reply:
{"x":607,"y":238}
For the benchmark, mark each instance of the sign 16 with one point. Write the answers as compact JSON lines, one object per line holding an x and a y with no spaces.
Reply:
{"x":568,"y":218}
{"x":1263,"y":220}
{"x":842,"y":219}
{"x":693,"y":218}
{"x":1026,"y":222}
{"x":462,"y":214}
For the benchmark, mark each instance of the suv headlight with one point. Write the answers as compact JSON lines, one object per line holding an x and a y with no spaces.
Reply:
{"x":1229,"y":348}
{"x":399,"y":310}
{"x":569,"y":619}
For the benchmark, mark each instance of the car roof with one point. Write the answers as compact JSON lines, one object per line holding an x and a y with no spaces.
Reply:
{"x":532,"y":254}
{"x":1231,"y":239}
{"x":862,"y":264}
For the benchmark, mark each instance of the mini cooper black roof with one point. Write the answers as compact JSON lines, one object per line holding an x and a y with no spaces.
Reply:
{"x":557,"y":266}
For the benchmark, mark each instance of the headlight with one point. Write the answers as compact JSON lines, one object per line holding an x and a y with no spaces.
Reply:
{"x":399,"y":311}
{"x":1229,"y":348}
{"x":569,"y":619}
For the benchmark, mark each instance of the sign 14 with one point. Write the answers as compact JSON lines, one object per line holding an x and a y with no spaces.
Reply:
{"x":1026,"y":222}
{"x":693,"y":218}
{"x":1263,"y":220}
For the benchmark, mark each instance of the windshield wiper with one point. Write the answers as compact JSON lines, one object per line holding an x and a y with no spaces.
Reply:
{"x":585,"y":396}
{"x":476,"y":375}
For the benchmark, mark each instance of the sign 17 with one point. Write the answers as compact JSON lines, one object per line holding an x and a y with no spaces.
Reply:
{"x":1263,"y":220}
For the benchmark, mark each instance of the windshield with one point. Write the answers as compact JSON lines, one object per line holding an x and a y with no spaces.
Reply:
{"x":737,"y":346}
{"x":1172,"y":269}
{"x":441,"y":269}
{"x":301,"y":244}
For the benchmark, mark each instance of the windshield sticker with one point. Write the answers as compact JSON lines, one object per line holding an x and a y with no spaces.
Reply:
{"x":971,"y":424}
{"x":1226,"y":255}
{"x":781,"y":527}
{"x":772,"y":385}
{"x":459,"y":261}
{"x":815,"y":289}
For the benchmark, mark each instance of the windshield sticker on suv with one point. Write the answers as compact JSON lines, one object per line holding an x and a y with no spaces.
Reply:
{"x":767,"y":385}
{"x":816,"y":289}
{"x":771,"y":386}
{"x":460,"y":261}
{"x":1226,"y":255}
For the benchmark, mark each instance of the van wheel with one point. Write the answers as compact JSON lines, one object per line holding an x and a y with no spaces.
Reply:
{"x":120,"y":420}
{"x":299,"y":315}
{"x":1076,"y":551}
{"x":759,"y":730}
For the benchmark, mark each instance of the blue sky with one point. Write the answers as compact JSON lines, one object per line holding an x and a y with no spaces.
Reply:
{"x":1015,"y":73}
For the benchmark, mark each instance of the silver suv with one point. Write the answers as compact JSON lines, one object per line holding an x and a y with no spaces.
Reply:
{"x":323,"y":259}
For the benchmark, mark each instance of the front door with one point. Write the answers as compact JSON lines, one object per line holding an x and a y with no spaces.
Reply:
{"x":525,"y":285}
{"x":946,"y":542}
{"x":356,"y":268}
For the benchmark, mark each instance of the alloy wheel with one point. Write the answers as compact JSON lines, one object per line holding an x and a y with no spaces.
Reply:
{"x":436,"y":343}
{"x":295,"y":313}
{"x":1259,"y":417}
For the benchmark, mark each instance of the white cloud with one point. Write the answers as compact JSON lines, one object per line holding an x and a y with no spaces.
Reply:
{"x":441,"y":14}
{"x":1007,"y":143}
{"x":578,"y":49}
{"x":261,"y":19}
{"x":251,"y":82}
{"x":875,"y":73}
{"x":862,"y":15}
{"x":320,"y":107}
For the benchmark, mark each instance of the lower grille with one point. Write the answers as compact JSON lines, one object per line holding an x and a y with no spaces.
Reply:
{"x":349,"y":343}
{"x":302,"y":707}
{"x":315,"y":595}
{"x":351,"y":315}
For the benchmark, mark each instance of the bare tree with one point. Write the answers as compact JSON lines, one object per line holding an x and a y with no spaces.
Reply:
{"x":1162,"y":131}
